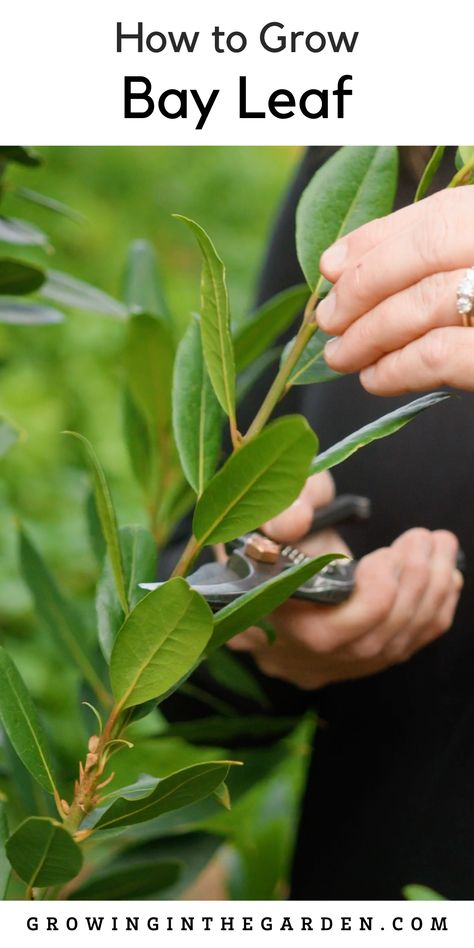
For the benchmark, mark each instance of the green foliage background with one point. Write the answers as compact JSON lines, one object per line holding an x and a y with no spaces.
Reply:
{"x":67,"y":376}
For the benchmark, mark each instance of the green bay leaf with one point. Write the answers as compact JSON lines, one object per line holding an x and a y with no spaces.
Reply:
{"x":171,"y":793}
{"x":43,"y":853}
{"x":142,"y":286}
{"x":197,"y":414}
{"x":261,"y":329}
{"x":20,"y":720}
{"x":257,"y":482}
{"x":254,"y":605}
{"x":354,"y":186}
{"x":107,"y":516}
{"x":76,"y":294}
{"x":17,"y":277}
{"x":159,"y":642}
{"x":215,"y":317}
{"x":381,"y":428}
{"x":139,"y":565}
{"x":311,"y":367}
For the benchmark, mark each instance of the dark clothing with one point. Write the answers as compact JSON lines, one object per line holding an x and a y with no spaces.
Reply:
{"x":390,"y":796}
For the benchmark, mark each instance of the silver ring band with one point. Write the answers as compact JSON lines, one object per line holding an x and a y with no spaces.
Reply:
{"x":465,"y":297}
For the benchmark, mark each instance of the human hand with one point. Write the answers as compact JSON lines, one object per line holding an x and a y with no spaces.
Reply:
{"x":393,"y":305}
{"x":405,"y":597}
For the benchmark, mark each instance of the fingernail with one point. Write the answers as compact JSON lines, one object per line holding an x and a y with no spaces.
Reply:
{"x":333,"y":258}
{"x":331,"y":346}
{"x":326,"y":310}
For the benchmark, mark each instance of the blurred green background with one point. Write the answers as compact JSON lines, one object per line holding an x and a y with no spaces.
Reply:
{"x":68,"y":375}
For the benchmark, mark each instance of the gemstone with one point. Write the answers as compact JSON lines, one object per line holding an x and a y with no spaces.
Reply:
{"x":466,"y":287}
{"x":464,"y":305}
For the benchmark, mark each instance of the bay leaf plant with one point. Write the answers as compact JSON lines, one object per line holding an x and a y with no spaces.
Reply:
{"x":31,"y":292}
{"x":180,"y":395}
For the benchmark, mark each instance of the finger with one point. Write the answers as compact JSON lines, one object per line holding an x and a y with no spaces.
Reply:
{"x":414,"y":550}
{"x":441,"y":357}
{"x":295,"y":522}
{"x":439,"y":241}
{"x":327,"y":628}
{"x":353,"y":246}
{"x":443,"y":582}
{"x":320,"y":489}
{"x":325,"y":541}
{"x":430,"y":618}
{"x":396,"y":321}
{"x":292,"y":524}
{"x":251,"y":640}
{"x":446,"y":619}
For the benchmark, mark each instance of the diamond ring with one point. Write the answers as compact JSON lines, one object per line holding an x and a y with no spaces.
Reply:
{"x":465,"y":297}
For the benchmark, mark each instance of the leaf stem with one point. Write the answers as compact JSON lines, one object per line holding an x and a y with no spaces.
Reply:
{"x":235,"y":434}
{"x":463,"y":175}
{"x":191,"y":550}
{"x":278,"y":387}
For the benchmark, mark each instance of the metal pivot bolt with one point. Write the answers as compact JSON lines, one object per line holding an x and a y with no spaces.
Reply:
{"x":262,"y":549}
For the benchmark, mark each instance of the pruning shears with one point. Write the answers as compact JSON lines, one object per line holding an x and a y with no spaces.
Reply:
{"x":254,"y":558}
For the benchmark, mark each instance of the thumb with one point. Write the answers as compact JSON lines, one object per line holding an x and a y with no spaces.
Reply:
{"x":292,"y":524}
{"x":295,"y":522}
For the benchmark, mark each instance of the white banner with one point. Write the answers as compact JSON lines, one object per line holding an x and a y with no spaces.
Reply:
{"x":335,"y":72}
{"x":261,"y":924}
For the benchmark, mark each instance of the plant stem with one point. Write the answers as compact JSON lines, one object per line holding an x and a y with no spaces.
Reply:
{"x":277,"y":389}
{"x":191,"y":550}
{"x":91,"y":773}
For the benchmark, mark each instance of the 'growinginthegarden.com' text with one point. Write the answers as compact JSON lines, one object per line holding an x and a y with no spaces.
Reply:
{"x":408,"y":922}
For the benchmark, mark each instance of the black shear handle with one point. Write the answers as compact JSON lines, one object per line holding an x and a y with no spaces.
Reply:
{"x":352,"y":507}
{"x":343,"y":509}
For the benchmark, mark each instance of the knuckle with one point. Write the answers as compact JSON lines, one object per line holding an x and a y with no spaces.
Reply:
{"x":420,"y":535}
{"x":373,"y":561}
{"x":432,"y":237}
{"x":366,"y":332}
{"x":355,"y":283}
{"x":433,"y":354}
{"x":384,"y":597}
{"x":448,"y":540}
{"x":377,"y":229}
{"x":321,"y":488}
{"x":365,"y":648}
{"x":382,"y":603}
{"x":418,"y":572}
{"x":426,"y":297}
{"x":376,"y":578}
{"x":445,"y":586}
